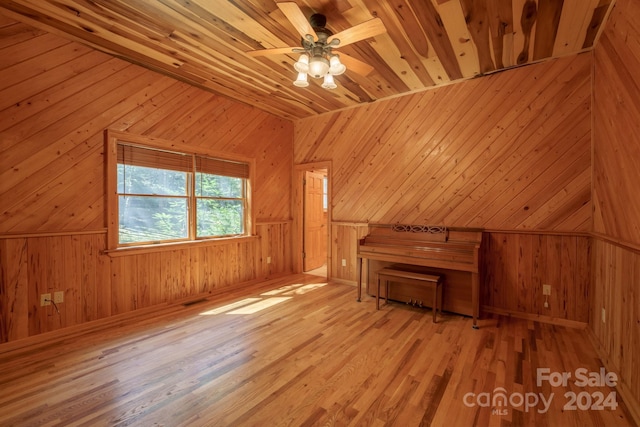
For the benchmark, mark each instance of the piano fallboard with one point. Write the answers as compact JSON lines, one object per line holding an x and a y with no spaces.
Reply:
{"x":454,"y":257}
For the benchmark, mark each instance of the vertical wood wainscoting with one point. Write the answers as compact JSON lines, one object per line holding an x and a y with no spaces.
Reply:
{"x":97,"y":286}
{"x":514,"y":266}
{"x":616,"y":332}
{"x":345,"y":247}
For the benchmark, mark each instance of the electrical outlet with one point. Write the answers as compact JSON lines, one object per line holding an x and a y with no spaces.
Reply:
{"x":604,"y":315}
{"x":344,"y":262}
{"x":546,"y":289}
{"x":45,"y":299}
{"x":58,"y":297}
{"x":268,"y":260}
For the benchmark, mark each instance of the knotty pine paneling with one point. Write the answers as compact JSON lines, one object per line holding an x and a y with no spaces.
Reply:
{"x":616,"y":128}
{"x":275,"y":243}
{"x":615,"y":284}
{"x":616,"y":205}
{"x":56,"y":99}
{"x":14,"y":288}
{"x":147,"y":279}
{"x":55,"y":105}
{"x":510,"y":151}
{"x":515,"y":266}
{"x":97,"y":286}
{"x":33,"y":266}
{"x":344,"y":246}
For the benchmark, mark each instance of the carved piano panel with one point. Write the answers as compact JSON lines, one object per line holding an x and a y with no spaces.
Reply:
{"x":452,"y":253}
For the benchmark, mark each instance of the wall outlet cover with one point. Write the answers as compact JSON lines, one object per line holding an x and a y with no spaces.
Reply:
{"x":58,"y":297}
{"x":45,"y":299}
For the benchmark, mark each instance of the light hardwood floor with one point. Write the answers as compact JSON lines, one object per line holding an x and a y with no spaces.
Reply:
{"x":296,"y":351}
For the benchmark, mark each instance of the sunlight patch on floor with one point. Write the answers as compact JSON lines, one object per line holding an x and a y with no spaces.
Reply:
{"x":297,"y":289}
{"x":258,"y":306}
{"x":255,"y":304}
{"x":281,"y":290}
{"x":305,"y":288}
{"x":229,"y":307}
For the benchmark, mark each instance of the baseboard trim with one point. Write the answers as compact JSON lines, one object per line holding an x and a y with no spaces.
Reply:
{"x":630,"y":401}
{"x":344,"y":281}
{"x":536,"y":317}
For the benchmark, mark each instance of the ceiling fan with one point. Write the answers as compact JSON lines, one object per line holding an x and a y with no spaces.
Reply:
{"x":317,"y":58}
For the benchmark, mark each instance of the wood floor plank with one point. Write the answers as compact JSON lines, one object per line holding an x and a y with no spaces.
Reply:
{"x":296,"y":351}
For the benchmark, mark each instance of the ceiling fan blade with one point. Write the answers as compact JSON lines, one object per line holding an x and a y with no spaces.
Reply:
{"x":359,"y":32}
{"x":293,"y":13}
{"x":274,"y":51}
{"x":355,"y":65}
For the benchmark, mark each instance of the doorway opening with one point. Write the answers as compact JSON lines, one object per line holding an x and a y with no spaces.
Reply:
{"x":314,"y":229}
{"x":312,"y":219}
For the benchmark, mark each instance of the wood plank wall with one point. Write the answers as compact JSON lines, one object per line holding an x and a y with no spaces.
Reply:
{"x":516,"y":265}
{"x":615,"y":284}
{"x":616,"y":201}
{"x":56,"y":99}
{"x":344,"y":246}
{"x":508,"y":152}
{"x":617,"y":127}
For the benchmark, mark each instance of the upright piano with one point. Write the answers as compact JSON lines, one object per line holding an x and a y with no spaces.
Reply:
{"x":449,"y":252}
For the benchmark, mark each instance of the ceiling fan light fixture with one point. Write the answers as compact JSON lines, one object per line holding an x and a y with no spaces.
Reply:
{"x":318,"y":66}
{"x":335,"y":66}
{"x":317,"y":44}
{"x":302,"y":66}
{"x":301,"y":81}
{"x":328,"y":82}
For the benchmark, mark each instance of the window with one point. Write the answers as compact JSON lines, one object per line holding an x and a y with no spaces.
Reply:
{"x":166,"y":196}
{"x":220,"y":197}
{"x":325,"y":196}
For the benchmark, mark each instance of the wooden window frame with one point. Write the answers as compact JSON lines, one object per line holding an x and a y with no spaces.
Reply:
{"x":114,"y":138}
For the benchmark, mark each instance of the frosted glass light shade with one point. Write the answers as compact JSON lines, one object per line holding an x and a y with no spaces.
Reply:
{"x":328,"y":82}
{"x":318,"y":67}
{"x":301,"y":81}
{"x":302,"y":66}
{"x":335,"y":66}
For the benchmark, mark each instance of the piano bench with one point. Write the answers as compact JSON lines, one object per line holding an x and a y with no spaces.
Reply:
{"x":431,"y":281}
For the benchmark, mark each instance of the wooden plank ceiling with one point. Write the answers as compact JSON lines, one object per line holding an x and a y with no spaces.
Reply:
{"x":427,"y":43}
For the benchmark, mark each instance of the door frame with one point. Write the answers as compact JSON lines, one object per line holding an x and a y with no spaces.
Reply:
{"x":298,"y":213}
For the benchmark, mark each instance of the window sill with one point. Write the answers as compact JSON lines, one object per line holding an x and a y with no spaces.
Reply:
{"x":173,"y":246}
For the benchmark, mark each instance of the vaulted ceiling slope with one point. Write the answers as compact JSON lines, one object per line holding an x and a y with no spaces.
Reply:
{"x":427,"y":43}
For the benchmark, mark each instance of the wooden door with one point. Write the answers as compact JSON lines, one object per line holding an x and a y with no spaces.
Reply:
{"x":315,"y":221}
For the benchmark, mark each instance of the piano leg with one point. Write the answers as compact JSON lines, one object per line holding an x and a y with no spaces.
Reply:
{"x":475,"y":298}
{"x":359,"y":279}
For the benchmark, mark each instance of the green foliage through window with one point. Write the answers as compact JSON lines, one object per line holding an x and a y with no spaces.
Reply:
{"x":154,"y":202}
